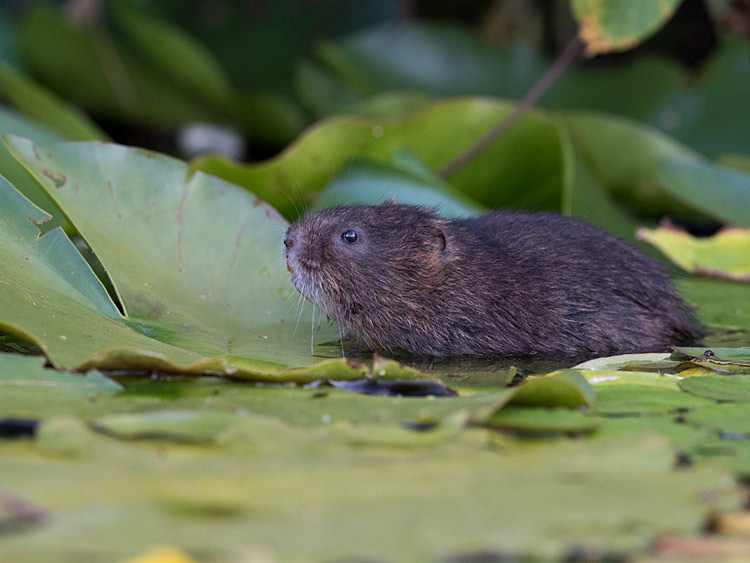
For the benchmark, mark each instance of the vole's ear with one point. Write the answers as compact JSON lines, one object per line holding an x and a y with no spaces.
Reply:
{"x":444,"y":241}
{"x":389,"y":201}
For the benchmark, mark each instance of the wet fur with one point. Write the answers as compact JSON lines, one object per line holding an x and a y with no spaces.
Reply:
{"x":503,"y":283}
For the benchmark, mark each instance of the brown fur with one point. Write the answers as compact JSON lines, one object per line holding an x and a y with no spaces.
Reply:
{"x":503,"y":283}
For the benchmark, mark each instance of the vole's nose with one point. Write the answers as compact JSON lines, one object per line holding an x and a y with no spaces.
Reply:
{"x":288,"y":240}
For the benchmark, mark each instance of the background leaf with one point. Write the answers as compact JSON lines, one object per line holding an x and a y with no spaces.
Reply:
{"x":608,"y":25}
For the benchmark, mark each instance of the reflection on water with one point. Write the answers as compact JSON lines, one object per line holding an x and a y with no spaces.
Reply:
{"x":476,"y":373}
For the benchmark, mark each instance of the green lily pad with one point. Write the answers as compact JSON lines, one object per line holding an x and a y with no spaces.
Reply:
{"x":185,"y":426}
{"x":608,"y":25}
{"x":730,"y":388}
{"x":630,"y":393}
{"x":542,"y":420}
{"x":724,"y":255}
{"x":729,"y":420}
{"x":722,"y":360}
{"x":723,"y":308}
{"x":121,"y":497}
{"x":403,"y":436}
{"x":15,"y":124}
{"x":631,"y":362}
{"x":28,"y":390}
{"x":194,"y":261}
{"x":640,"y":394}
{"x":29,"y":372}
{"x":734,"y":454}
{"x":567,"y":388}
{"x":614,"y":377}
{"x":717,"y":355}
{"x":633,"y":400}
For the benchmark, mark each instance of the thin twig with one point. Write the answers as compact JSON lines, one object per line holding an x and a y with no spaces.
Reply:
{"x":569,"y":54}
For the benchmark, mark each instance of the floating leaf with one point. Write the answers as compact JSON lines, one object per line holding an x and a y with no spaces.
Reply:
{"x":194,"y":263}
{"x":403,"y":436}
{"x":730,"y":388}
{"x":723,"y":255}
{"x":723,"y":308}
{"x":567,"y":388}
{"x":647,"y":379}
{"x":728,"y":420}
{"x":631,"y":362}
{"x":726,"y":360}
{"x":120,"y":498}
{"x":14,"y":124}
{"x":639,"y":394}
{"x":542,"y":420}
{"x":170,"y":425}
{"x":29,"y":372}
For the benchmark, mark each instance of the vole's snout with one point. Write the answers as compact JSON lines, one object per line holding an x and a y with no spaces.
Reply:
{"x":288,"y":240}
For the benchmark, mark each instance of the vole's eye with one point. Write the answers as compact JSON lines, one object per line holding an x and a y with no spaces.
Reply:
{"x":350,"y":236}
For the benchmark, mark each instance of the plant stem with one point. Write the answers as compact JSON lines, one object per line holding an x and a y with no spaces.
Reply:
{"x":570,"y":53}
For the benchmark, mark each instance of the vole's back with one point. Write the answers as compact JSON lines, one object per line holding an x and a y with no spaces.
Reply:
{"x":399,"y":277}
{"x":564,"y":286}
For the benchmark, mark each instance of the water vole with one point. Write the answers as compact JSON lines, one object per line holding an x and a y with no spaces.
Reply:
{"x":399,"y":277}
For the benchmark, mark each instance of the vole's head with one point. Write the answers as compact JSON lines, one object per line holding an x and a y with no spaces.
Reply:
{"x":351,"y":261}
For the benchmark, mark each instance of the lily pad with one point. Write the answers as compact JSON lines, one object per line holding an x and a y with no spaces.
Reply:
{"x":723,"y":308}
{"x":614,"y":377}
{"x":631,"y":362}
{"x":30,"y":391}
{"x":567,"y":388}
{"x":543,"y":421}
{"x":186,"y":426}
{"x":15,"y":124}
{"x":626,"y":393}
{"x":122,"y":497}
{"x":724,"y":255}
{"x":194,"y":262}
{"x":722,"y":360}
{"x":729,"y":388}
{"x":717,"y":355}
{"x":728,"y":420}
{"x":29,"y":372}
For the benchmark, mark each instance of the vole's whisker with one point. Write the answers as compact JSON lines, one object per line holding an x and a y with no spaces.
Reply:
{"x":341,"y":339}
{"x":312,"y":332}
{"x":301,"y":304}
